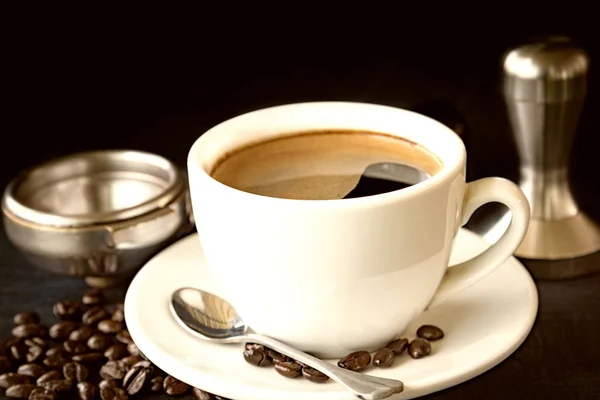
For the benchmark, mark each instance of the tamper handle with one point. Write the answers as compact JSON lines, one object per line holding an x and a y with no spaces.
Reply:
{"x":544,"y":90}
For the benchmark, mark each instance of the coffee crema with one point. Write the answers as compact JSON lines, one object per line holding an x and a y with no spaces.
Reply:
{"x":320,"y":165}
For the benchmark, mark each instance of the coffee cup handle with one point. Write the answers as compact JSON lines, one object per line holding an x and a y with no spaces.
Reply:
{"x":478,"y":193}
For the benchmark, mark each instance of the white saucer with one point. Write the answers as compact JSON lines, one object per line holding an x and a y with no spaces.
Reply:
{"x":483,"y":324}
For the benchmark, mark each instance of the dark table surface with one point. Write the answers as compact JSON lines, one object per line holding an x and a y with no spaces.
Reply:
{"x":59,"y":111}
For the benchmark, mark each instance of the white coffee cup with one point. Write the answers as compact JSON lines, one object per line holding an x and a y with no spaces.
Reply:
{"x":334,"y":276}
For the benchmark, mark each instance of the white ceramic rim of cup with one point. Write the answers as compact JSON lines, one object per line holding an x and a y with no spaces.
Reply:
{"x":289,"y":119}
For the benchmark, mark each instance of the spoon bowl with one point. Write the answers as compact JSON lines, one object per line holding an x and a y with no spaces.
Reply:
{"x":208,"y":315}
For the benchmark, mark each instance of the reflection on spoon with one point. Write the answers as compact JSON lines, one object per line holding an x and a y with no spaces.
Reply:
{"x":386,"y":177}
{"x":213,"y":319}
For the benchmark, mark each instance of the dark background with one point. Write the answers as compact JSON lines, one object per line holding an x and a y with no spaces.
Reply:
{"x":155,"y":77}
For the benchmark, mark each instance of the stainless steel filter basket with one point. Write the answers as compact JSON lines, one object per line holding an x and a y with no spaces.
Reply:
{"x":98,"y":215}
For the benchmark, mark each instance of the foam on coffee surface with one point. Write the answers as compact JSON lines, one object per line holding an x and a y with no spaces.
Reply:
{"x":321,"y":165}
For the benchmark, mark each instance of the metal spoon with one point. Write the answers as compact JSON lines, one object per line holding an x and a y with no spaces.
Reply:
{"x":211,"y":318}
{"x":396,"y":172}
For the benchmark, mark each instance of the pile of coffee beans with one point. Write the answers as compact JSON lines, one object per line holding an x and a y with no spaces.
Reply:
{"x":86,"y":354}
{"x":357,"y":361}
{"x":384,"y":358}
{"x":260,"y":356}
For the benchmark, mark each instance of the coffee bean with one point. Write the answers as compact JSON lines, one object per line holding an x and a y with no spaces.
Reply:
{"x":19,"y":350}
{"x":49,"y":376}
{"x":398,"y":346}
{"x":289,"y":369}
{"x":384,"y":358}
{"x":313,"y":375}
{"x":133,"y":349}
{"x":113,"y":370}
{"x":110,"y":326}
{"x":20,"y":391}
{"x":252,"y":346}
{"x":62,"y":330}
{"x":256,"y":356}
{"x":108,"y":383}
{"x":131,"y":360}
{"x":124,"y":337}
{"x":144,"y":364}
{"x":200,"y":394}
{"x":76,"y":372}
{"x":118,"y":315}
{"x":26,"y":317}
{"x":116,"y":351}
{"x":58,"y":385}
{"x":67,"y":309}
{"x":55,"y":350}
{"x":113,"y":394}
{"x":355,"y":361}
{"x":73,"y":347}
{"x":55,"y":361}
{"x":174,"y":387}
{"x":156,"y":383}
{"x":419,"y":348}
{"x":5,"y":346}
{"x":136,"y":380}
{"x":32,"y":370}
{"x":82,"y":334}
{"x":34,"y":353}
{"x":37,"y":341}
{"x":5,"y":364}
{"x":275,"y":356}
{"x":430,"y":332}
{"x":9,"y":379}
{"x":29,"y":330}
{"x":94,"y":315}
{"x":88,"y":358}
{"x":98,"y":342}
{"x":40,"y":393}
{"x":93,"y":297}
{"x":86,"y":391}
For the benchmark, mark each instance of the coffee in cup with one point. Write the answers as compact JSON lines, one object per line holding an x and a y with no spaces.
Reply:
{"x":321,"y":165}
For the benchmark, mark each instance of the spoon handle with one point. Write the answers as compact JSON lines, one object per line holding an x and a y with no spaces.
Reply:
{"x":366,"y":387}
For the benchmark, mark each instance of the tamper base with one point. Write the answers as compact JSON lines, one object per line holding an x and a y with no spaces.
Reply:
{"x":552,"y":249}
{"x":572,"y":237}
{"x":549,"y":240}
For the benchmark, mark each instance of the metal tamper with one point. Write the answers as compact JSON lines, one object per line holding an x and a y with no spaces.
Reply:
{"x":544,"y":86}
